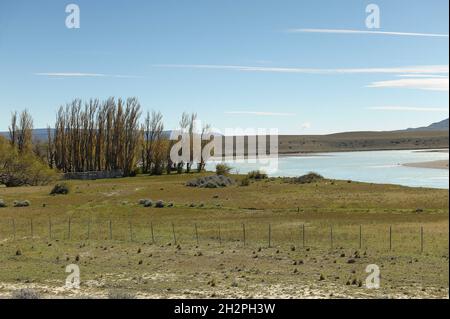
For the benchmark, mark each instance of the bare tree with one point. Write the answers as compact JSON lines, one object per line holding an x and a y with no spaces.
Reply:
{"x":153,"y":129}
{"x":206,"y":130}
{"x":24,"y":132}
{"x":131,"y":135}
{"x":191,"y":127}
{"x":13,"y":129}
{"x":50,"y":148}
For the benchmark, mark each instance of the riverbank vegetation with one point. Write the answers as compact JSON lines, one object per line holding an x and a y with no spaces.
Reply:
{"x":93,"y":136}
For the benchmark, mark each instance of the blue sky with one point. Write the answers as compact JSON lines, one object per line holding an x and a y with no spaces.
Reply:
{"x":298,"y":66}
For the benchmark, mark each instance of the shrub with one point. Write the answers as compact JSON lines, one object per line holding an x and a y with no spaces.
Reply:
{"x":21,"y":203}
{"x":26,"y":293}
{"x":245,"y":181}
{"x":120,"y":294}
{"x":159,"y":204}
{"x":223,"y":169}
{"x":180,"y":168}
{"x":60,"y":189}
{"x":257,"y":175}
{"x":213,"y":181}
{"x":306,"y":179}
{"x":22,"y":169}
{"x":146,"y":202}
{"x":2,"y":204}
{"x":210,"y":185}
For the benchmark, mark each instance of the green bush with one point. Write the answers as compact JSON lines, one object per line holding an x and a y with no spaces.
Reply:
{"x":22,"y":169}
{"x":306,"y":179}
{"x":257,"y":175}
{"x":60,"y":189}
{"x":146,"y":202}
{"x":223,"y":169}
{"x":159,"y":204}
{"x":245,"y":181}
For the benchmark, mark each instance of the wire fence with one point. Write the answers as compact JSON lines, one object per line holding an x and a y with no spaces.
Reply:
{"x":405,"y":238}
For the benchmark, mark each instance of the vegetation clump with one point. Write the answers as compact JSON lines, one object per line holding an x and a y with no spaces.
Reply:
{"x":22,"y":168}
{"x":26,"y":293}
{"x":258,"y":175}
{"x":2,"y":204}
{"x":245,"y":181}
{"x":213,"y":181}
{"x":305,"y":179}
{"x":159,"y":204}
{"x":223,"y":169}
{"x":146,"y":202}
{"x":22,"y":203}
{"x":60,"y":189}
{"x":120,"y":294}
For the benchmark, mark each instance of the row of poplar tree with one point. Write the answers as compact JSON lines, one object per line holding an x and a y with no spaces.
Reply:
{"x":103,"y":136}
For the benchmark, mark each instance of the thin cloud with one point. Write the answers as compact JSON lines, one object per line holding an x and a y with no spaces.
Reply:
{"x":422,"y":76}
{"x":306,"y":125}
{"x":408,"y":109}
{"x":84,"y":75}
{"x":349,"y":31}
{"x":260,"y":113}
{"x":430,"y":84}
{"x":421,"y":69}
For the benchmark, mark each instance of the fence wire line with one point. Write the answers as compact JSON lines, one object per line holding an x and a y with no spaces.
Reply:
{"x":245,"y":233}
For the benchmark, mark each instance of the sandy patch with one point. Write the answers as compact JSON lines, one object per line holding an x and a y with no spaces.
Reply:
{"x":442,"y":164}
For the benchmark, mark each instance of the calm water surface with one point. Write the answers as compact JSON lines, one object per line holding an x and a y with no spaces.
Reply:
{"x":375,"y":167}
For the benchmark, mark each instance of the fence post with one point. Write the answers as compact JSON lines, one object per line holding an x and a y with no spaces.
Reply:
{"x":196,"y":233}
{"x":89,"y":229}
{"x":421,"y":239}
{"x":390,"y":238}
{"x":14,"y":228}
{"x":50,"y":228}
{"x":69,"y":224}
{"x":131,"y":229}
{"x":31,"y":228}
{"x":220,"y":237}
{"x":174,"y":235}
{"x":243,"y":233}
{"x":151,"y":229}
{"x":360,"y":237}
{"x":303,"y":235}
{"x":270,"y":235}
{"x":110,"y":230}
{"x":331,"y":236}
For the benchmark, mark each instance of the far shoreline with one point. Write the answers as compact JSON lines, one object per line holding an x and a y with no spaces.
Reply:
{"x":441,"y":164}
{"x":326,"y":152}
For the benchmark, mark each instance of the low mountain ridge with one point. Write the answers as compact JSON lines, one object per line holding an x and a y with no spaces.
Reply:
{"x":438,"y":126}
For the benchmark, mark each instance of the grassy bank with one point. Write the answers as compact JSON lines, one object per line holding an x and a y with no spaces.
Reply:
{"x":215,"y":242}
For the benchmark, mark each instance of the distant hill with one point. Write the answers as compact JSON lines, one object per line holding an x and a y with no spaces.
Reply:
{"x":41,"y":134}
{"x":438,"y":126}
{"x":433,"y":136}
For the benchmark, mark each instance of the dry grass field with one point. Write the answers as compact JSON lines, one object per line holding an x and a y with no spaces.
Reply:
{"x":197,"y":248}
{"x":363,"y":141}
